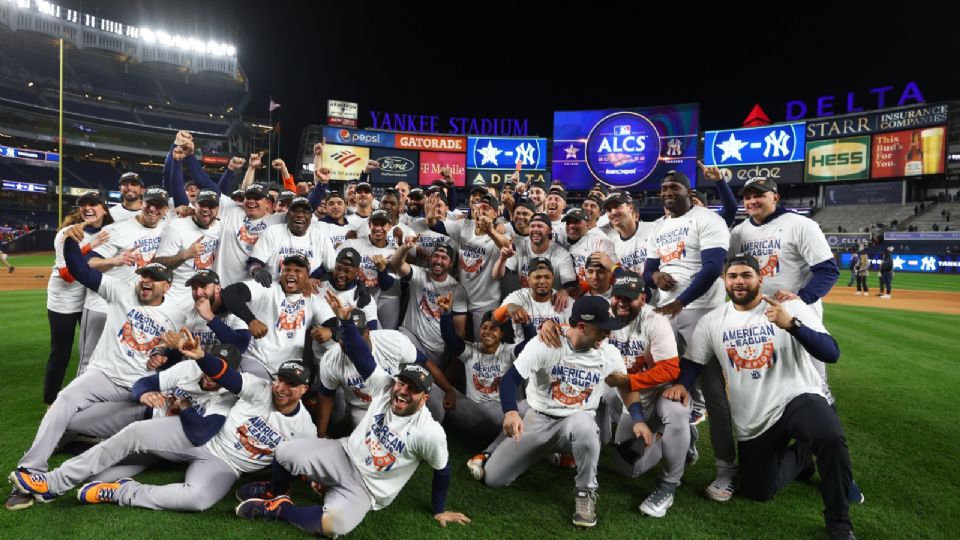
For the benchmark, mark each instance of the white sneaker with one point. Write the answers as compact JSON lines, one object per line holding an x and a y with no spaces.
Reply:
{"x":857,"y":293}
{"x":657,"y":503}
{"x":721,"y":489}
{"x":476,"y":463}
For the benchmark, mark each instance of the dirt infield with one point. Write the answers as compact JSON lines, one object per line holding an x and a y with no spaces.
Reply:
{"x":35,"y":277}
{"x":24,"y":278}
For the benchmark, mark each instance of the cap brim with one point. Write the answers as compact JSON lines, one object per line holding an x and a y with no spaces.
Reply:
{"x":152,"y":273}
{"x":632,"y":294}
{"x":414,"y":384}
{"x":157,"y":200}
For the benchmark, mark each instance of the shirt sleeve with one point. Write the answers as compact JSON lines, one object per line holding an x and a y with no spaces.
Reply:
{"x":179,"y":374}
{"x":255,"y":390}
{"x":459,"y":299}
{"x":713,"y":232}
{"x":329,"y":374}
{"x":112,"y":289}
{"x":534,"y":356}
{"x":806,"y":315}
{"x":565,"y":266}
{"x":264,"y":248}
{"x":814,"y":247}
{"x":111,"y":247}
{"x":433,"y":450}
{"x":171,"y":242}
{"x":661,"y":339}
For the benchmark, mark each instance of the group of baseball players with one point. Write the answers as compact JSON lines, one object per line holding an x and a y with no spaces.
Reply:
{"x":231,"y":330}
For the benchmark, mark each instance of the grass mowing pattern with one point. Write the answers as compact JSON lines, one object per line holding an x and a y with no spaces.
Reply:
{"x":896,"y":385}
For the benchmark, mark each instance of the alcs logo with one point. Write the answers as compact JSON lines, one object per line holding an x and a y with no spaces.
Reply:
{"x":623,"y":149}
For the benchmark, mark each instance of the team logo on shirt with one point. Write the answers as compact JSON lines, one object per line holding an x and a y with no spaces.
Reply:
{"x":426,"y":305}
{"x":672,"y":245}
{"x":178,"y":394}
{"x":144,"y":250}
{"x":292,"y":316}
{"x":426,"y":245}
{"x":368,"y":272}
{"x":382,"y":444}
{"x":250,"y":232}
{"x":472,"y":258}
{"x":634,"y":261}
{"x":750,"y":347}
{"x":571,"y":385}
{"x":635,"y":356}
{"x":209,"y":255}
{"x":257,"y":438}
{"x":356,"y":385}
{"x":766,"y":247}
{"x":486,"y":378}
{"x":140,"y":333}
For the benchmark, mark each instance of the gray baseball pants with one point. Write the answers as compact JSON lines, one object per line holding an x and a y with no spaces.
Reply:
{"x":91,"y":329}
{"x":207,"y":480}
{"x":671,"y":418}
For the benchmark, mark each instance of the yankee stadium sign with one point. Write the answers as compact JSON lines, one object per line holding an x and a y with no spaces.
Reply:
{"x":623,"y":149}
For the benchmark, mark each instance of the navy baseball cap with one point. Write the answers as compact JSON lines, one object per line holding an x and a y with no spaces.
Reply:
{"x":202,"y":277}
{"x":156,"y":195}
{"x":416,"y":193}
{"x":628,"y":285}
{"x":525,"y":203}
{"x":537,"y":263}
{"x":543,"y":218}
{"x":761,"y":184}
{"x":256,"y":191}
{"x":678,"y":177}
{"x":478,"y":188}
{"x":595,"y":310}
{"x":228,"y":353}
{"x":417,"y":377}
{"x":446,"y":249}
{"x":297,"y":259}
{"x":380,"y":216}
{"x":616,"y":198}
{"x":209,"y":197}
{"x":333,"y":194}
{"x":91,"y":198}
{"x":300,"y":202}
{"x":574,"y":214}
{"x":742,"y":258}
{"x":364,"y":186}
{"x":349,"y":256}
{"x":359,"y":319}
{"x":490,"y":201}
{"x":294,"y":372}
{"x":130,"y":177}
{"x":157,"y":271}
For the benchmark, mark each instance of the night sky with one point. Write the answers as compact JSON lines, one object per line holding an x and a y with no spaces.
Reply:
{"x":499,"y":60}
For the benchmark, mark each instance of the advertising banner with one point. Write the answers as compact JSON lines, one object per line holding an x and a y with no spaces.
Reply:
{"x":754,"y":146}
{"x":12,"y":185}
{"x":358,"y":137}
{"x":395,"y":166}
{"x":913,"y":236}
{"x":342,"y":113}
{"x":838,"y":159}
{"x":345,"y":162}
{"x":496,"y":178}
{"x":504,"y":153}
{"x":432,"y":163}
{"x":842,"y":240}
{"x":781,"y":173}
{"x":627,"y":148}
{"x":435,"y":143}
{"x":912,"y":262}
{"x":871,"y":193}
{"x":908,"y":153}
{"x":899,"y":119}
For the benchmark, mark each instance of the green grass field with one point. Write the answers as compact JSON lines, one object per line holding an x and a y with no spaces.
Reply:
{"x":896,"y":389}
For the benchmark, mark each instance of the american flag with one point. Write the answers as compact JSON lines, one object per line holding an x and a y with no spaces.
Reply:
{"x":345,"y":158}
{"x":273,"y":105}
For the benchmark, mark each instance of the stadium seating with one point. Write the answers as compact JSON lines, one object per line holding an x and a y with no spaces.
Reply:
{"x":98,"y":111}
{"x":174,"y":123}
{"x":856,"y":218}
{"x":931,"y":215}
{"x":21,"y":95}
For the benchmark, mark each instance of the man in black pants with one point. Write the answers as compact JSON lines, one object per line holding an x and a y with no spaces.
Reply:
{"x":886,"y":272}
{"x":766,"y":351}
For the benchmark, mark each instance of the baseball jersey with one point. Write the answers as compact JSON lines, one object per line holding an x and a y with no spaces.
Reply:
{"x":65,"y":296}
{"x":428,"y":241}
{"x":182,"y":381}
{"x":538,"y":311}
{"x":559,"y":258}
{"x":423,"y":314}
{"x":178,"y":236}
{"x":363,"y":231}
{"x":390,"y":349}
{"x":476,"y":257}
{"x":368,"y":269}
{"x":786,"y":247}
{"x":254,"y":428}
{"x":123,"y":236}
{"x":278,"y":242}
{"x":484,"y":371}
{"x":632,"y":252}
{"x":240,"y":234}
{"x":131,"y":332}
{"x":648,"y":339}
{"x":563,"y":381}
{"x":120,"y":213}
{"x":336,"y":234}
{"x":354,"y":221}
{"x":590,"y":243}
{"x":289,"y":318}
{"x":678,"y":242}
{"x":387,"y":448}
{"x":764,"y":366}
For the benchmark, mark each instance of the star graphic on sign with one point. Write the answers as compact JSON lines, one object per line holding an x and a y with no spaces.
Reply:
{"x":571,"y":151}
{"x":731,"y":148}
{"x":898,"y":263}
{"x":490,"y":154}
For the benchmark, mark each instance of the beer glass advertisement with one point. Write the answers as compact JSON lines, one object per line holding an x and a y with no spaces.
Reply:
{"x":624,"y":148}
{"x":908,"y":153}
{"x":838,"y":159}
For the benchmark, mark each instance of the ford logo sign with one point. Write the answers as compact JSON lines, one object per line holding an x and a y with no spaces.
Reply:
{"x":395,"y":165}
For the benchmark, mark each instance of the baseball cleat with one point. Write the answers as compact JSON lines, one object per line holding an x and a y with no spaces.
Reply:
{"x":101,"y":492}
{"x":18,"y":500}
{"x":254,"y":490}
{"x":721,"y":489}
{"x":855,"y":496}
{"x":32,"y":484}
{"x":585,"y":514}
{"x":564,"y":461}
{"x":476,"y":463}
{"x":697,"y":416}
{"x":262,"y":508}
{"x":657,"y":503}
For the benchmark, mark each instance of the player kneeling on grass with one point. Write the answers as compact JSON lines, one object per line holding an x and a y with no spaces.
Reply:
{"x":189,"y":409}
{"x":265,"y":415}
{"x":766,"y":351}
{"x":564,"y":390}
{"x":367,"y":470}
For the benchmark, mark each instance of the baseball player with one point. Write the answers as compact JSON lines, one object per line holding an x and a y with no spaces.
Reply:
{"x":428,"y":240}
{"x":685,"y":259}
{"x":370,"y":247}
{"x":479,"y":243}
{"x":630,"y":242}
{"x":766,"y":349}
{"x":131,"y":245}
{"x":367,"y":470}
{"x":390,"y":349}
{"x":333,"y":225}
{"x":264,"y":415}
{"x":649,"y":351}
{"x":582,"y":242}
{"x":188,"y":410}
{"x":284,"y":307}
{"x":64,"y":294}
{"x":599,"y":271}
{"x":136,"y":321}
{"x":564,"y":389}
{"x":242,"y":225}
{"x":191,"y":244}
{"x":794,"y":254}
{"x":296,"y":236}
{"x":131,"y":191}
{"x":540,"y":245}
{"x":535,"y":303}
{"x":422,"y":321}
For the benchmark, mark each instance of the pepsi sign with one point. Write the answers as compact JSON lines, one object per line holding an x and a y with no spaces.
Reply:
{"x":504,"y":153}
{"x":755,"y":146}
{"x":358,"y":137}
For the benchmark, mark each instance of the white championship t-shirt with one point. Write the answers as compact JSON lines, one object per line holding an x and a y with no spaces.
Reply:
{"x":484,"y":371}
{"x":182,"y":381}
{"x":632,"y":252}
{"x":178,"y":236}
{"x":476,"y":256}
{"x":538,"y":311}
{"x":278,"y":242}
{"x":423,"y":313}
{"x":587,"y":245}
{"x":559,"y":257}
{"x":65,"y":296}
{"x":390,"y":349}
{"x":123,"y":236}
{"x":240,"y":234}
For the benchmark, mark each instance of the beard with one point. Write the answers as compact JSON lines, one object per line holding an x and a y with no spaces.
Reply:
{"x":751,"y":295}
